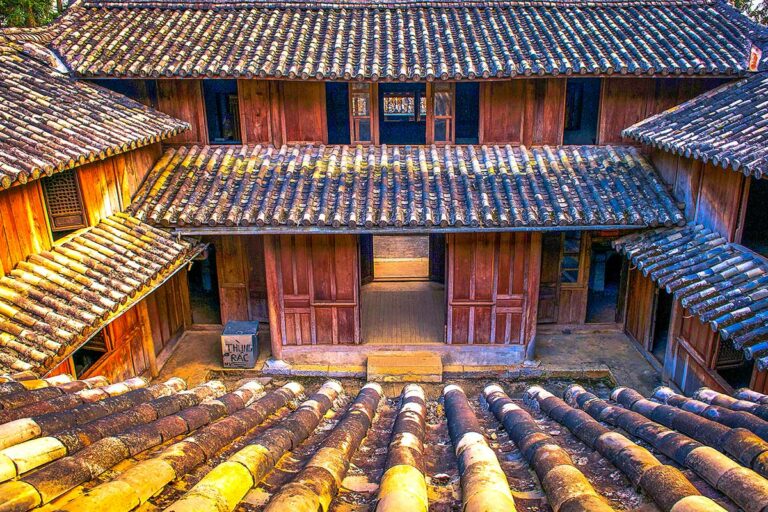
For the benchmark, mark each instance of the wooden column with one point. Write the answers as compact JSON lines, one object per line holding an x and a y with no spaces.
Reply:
{"x":146,"y":337}
{"x":274,"y":295}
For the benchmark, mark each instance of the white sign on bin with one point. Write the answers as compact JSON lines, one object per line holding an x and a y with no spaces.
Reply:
{"x":239,"y":347}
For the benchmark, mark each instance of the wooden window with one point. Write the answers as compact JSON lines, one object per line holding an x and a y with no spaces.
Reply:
{"x":361,"y":110}
{"x":222,"y":111}
{"x":64,"y":202}
{"x":582,"y":102}
{"x":443,"y":112}
{"x":569,"y":262}
{"x":400,"y":106}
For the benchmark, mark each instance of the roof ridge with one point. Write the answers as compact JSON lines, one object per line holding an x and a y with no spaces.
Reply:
{"x":373,"y":4}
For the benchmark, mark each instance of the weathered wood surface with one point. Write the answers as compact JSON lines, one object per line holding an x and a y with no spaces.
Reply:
{"x":183,"y":99}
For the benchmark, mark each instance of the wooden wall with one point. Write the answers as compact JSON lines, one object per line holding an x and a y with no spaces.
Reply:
{"x":313,"y":283}
{"x":492,"y":287}
{"x":713,"y":196}
{"x":625,"y":101}
{"x":24,"y":227}
{"x":106,"y":186}
{"x":183,"y":99}
{"x":529,"y":112}
{"x":168,"y":310}
{"x":255,"y":101}
{"x":142,"y":335}
{"x":691,"y":355}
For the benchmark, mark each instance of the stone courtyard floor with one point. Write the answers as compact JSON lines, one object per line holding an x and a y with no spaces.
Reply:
{"x":562,"y":355}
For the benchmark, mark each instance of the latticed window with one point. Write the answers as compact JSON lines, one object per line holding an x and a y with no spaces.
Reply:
{"x":360,"y":105}
{"x":64,"y":201}
{"x":443,"y":99}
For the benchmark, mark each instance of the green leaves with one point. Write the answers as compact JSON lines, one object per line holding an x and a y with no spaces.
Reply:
{"x":26,"y":13}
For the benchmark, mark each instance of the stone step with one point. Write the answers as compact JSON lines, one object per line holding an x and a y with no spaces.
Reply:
{"x":398,"y":366}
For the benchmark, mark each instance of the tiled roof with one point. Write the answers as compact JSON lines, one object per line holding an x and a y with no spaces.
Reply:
{"x":727,"y":126}
{"x":137,"y":446}
{"x":56,"y":300}
{"x":49,"y":122}
{"x":722,"y":284}
{"x":400,"y":40}
{"x":381,"y":187}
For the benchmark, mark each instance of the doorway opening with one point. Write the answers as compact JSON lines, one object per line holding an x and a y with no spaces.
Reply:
{"x":402,"y":297}
{"x":755,"y":234}
{"x":661,"y":317}
{"x":605,"y":282}
{"x":204,"y":289}
{"x":403,"y":118}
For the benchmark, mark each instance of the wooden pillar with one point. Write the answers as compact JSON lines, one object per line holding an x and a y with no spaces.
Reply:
{"x":146,"y":338}
{"x":273,"y":295}
{"x":532,"y":279}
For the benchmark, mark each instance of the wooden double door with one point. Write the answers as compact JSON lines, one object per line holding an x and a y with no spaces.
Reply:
{"x":313,"y":282}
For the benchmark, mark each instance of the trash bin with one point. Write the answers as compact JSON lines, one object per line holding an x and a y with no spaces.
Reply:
{"x":239,"y":344}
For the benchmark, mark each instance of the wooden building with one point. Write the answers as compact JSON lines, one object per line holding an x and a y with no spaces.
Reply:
{"x":487,"y":133}
{"x":84,"y":288}
{"x":707,"y":321}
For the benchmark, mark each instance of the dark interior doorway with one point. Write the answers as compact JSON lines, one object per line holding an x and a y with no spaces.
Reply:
{"x":661,"y":316}
{"x":604,"y":284}
{"x":403,"y":113}
{"x":732,"y":366}
{"x":582,"y":103}
{"x":204,"y":289}
{"x":403,"y":293}
{"x":755,"y":234}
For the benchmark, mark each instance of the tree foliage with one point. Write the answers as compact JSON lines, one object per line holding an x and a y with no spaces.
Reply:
{"x":755,"y":9}
{"x":25,"y":13}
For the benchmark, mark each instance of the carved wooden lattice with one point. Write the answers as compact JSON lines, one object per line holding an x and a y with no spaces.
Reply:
{"x":64,"y":202}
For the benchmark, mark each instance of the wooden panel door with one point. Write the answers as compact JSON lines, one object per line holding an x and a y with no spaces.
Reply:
{"x":232,"y":271}
{"x":313,"y":283}
{"x":640,"y":308}
{"x":335,"y":289}
{"x":511,"y":283}
{"x":502,"y":108}
{"x":486,"y":292}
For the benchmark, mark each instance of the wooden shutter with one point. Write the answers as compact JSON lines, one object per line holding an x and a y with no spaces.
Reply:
{"x":64,"y":201}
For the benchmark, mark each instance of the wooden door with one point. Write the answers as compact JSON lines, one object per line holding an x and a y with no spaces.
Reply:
{"x":549,"y":286}
{"x":335,"y":288}
{"x":313,"y":283}
{"x":486,"y":292}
